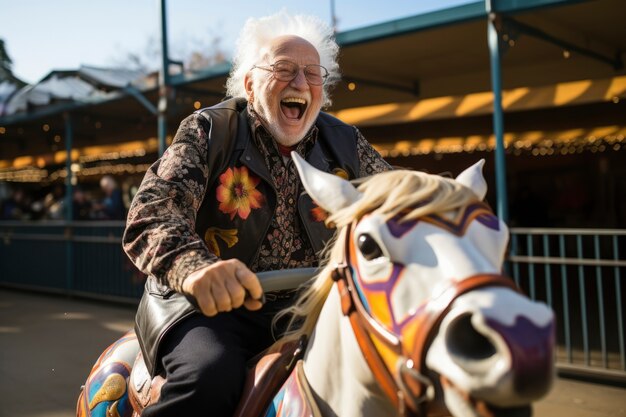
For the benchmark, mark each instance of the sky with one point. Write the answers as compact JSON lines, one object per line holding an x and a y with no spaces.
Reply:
{"x":43,"y":35}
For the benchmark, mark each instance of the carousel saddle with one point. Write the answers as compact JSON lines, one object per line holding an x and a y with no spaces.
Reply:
{"x":265,"y":377}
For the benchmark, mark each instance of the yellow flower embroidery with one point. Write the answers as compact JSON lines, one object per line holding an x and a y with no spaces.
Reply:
{"x":229,"y":236}
{"x":237,"y":193}
{"x":341,"y":173}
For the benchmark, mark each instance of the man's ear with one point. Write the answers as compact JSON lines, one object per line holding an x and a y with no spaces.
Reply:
{"x":248,"y":82}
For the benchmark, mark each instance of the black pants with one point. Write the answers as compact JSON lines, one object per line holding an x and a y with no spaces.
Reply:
{"x":205,"y":361}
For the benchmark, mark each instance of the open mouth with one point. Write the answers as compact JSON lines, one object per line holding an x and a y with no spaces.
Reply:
{"x":293,"y":107}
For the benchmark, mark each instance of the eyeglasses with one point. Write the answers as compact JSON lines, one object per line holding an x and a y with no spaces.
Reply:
{"x":287,"y":71}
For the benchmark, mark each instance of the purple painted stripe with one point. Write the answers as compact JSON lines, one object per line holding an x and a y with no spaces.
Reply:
{"x":399,"y":228}
{"x":532,"y":354}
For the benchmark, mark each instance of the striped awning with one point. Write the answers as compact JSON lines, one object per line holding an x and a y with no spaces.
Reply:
{"x":477,"y":104}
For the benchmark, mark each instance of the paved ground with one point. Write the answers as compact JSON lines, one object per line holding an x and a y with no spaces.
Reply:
{"x":49,"y":343}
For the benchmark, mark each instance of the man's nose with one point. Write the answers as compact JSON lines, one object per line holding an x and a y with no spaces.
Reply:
{"x":300,"y":80}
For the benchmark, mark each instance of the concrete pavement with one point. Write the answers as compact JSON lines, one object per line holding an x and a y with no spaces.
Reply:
{"x":49,"y":343}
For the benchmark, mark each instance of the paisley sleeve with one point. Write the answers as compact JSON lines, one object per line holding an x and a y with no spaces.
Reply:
{"x":370,"y":161}
{"x":160,"y":235}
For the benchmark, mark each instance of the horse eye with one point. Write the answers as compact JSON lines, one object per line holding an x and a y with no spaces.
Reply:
{"x":368,"y":247}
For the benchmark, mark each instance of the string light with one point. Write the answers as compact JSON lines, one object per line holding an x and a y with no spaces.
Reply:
{"x":351,"y":86}
{"x":197,"y":105}
{"x":24,"y":175}
{"x":545,"y":147}
{"x":109,"y":164}
{"x":566,"y":54}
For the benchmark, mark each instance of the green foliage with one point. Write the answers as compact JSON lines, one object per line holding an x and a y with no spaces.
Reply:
{"x":6,"y":74}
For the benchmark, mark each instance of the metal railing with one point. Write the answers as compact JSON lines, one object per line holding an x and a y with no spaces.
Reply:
{"x":74,"y":258}
{"x":578,"y":273}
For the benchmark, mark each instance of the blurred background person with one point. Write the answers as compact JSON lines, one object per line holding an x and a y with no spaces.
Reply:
{"x":16,"y":206}
{"x":112,"y":206}
{"x":81,"y":209}
{"x":54,"y":203}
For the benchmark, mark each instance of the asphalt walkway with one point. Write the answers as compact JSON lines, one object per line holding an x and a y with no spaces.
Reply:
{"x":49,"y":343}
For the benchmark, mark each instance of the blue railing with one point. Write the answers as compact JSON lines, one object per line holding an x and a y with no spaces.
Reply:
{"x":577,"y":272}
{"x":74,"y":258}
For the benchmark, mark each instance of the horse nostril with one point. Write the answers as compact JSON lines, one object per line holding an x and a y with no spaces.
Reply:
{"x":465,"y":344}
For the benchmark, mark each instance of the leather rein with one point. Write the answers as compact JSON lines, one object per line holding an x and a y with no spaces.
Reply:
{"x":408,"y":388}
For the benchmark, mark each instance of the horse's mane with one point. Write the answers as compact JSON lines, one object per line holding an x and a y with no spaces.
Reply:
{"x":403,"y":193}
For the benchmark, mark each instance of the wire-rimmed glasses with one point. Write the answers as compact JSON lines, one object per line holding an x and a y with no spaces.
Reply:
{"x":287,"y":71}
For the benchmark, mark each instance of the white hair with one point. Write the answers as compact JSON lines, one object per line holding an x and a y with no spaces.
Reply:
{"x":108,"y":182}
{"x":256,"y":35}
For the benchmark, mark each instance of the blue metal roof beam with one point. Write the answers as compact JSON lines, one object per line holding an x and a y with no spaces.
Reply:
{"x":467,"y":12}
{"x":510,"y":23}
{"x":454,"y":15}
{"x":514,"y":6}
{"x":141,"y":99}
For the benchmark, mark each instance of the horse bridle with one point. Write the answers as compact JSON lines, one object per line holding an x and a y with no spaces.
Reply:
{"x":409,"y":389}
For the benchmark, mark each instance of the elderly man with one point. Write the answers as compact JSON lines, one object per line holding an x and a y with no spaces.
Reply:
{"x":224,"y":202}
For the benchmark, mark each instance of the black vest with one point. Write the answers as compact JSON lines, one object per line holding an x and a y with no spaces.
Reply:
{"x":231,"y":145}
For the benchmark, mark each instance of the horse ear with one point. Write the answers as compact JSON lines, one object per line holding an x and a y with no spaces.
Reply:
{"x":329,"y":191}
{"x":473,"y":178}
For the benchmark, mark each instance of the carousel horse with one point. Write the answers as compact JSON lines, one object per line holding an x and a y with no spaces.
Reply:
{"x":410,"y":316}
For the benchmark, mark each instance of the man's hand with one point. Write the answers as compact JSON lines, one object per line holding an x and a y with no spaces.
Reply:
{"x":223,"y":286}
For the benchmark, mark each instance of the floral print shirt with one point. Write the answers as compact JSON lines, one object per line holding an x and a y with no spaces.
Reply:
{"x":160,"y":235}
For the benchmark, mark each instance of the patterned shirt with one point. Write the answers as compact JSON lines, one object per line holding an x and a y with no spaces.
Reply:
{"x":160,"y":235}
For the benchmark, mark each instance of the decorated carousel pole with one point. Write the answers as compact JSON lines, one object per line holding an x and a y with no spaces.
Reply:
{"x":164,"y":79}
{"x":502,"y":205}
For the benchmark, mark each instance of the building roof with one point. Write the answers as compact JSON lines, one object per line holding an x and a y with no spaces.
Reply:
{"x":405,"y":62}
{"x":83,"y":86}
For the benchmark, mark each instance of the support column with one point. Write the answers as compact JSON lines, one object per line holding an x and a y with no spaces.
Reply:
{"x":69,"y":139}
{"x":502,"y":205}
{"x":163,"y":80}
{"x":69,"y":203}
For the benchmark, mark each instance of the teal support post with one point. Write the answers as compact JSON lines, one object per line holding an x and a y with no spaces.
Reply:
{"x":502,"y":205}
{"x":69,"y":139}
{"x":69,"y":202}
{"x":163,"y":80}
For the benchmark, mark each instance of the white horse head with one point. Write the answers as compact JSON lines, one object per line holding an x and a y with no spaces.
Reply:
{"x":421,"y":289}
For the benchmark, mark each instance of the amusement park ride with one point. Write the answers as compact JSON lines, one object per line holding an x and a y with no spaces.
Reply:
{"x":416,"y":318}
